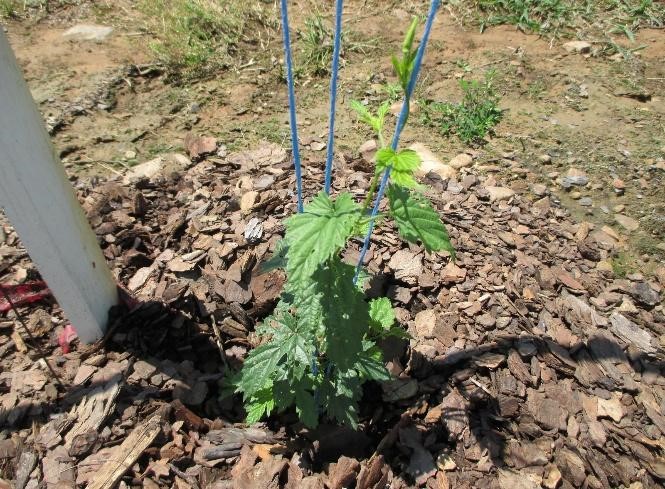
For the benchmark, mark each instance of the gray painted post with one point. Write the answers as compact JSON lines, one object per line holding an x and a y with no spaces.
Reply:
{"x":40,"y":202}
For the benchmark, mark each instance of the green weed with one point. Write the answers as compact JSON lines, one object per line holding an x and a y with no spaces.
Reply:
{"x":9,"y":9}
{"x":622,"y":264}
{"x":471,"y":119}
{"x":195,"y":38}
{"x":316,"y":46}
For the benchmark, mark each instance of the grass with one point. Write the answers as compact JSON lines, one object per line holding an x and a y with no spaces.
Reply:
{"x":623,"y":263}
{"x":564,"y":17}
{"x":315,"y":41}
{"x":195,"y":38}
{"x":9,"y":9}
{"x":472,"y":118}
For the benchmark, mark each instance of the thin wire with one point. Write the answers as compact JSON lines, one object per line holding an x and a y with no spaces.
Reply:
{"x":434,"y":6}
{"x":333,"y":93}
{"x":292,"y":102}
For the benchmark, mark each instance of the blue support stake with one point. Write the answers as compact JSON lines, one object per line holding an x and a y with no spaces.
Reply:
{"x":333,"y":94}
{"x":434,"y":6}
{"x":292,"y":102}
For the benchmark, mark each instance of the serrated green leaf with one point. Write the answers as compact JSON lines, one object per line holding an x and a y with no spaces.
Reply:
{"x":407,"y":160}
{"x":340,"y":396}
{"x":370,"y":367}
{"x":261,"y":404}
{"x":277,"y":260}
{"x":345,"y":313}
{"x":258,"y":368}
{"x":403,"y":165}
{"x":318,"y":233}
{"x":381,"y":313}
{"x":306,"y":408}
{"x":416,"y":220}
{"x":403,"y":179}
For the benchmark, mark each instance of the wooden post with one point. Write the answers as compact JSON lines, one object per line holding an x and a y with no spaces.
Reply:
{"x":40,"y":202}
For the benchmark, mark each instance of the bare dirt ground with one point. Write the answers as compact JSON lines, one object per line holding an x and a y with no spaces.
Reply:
{"x":530,"y":378}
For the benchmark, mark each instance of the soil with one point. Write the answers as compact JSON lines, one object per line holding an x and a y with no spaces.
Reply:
{"x":536,"y":358}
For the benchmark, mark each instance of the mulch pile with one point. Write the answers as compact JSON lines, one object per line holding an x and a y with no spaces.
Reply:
{"x":530,"y":364}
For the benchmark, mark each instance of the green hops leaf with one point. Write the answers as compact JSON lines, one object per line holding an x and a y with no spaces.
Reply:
{"x":318,"y":233}
{"x":377,"y":121}
{"x":306,"y":408}
{"x":345,"y":313}
{"x":403,"y":165}
{"x":340,"y":395}
{"x":381,"y":313}
{"x":370,"y":366}
{"x":416,"y":220}
{"x":260,"y":405}
{"x":277,"y":260}
{"x":258,"y":368}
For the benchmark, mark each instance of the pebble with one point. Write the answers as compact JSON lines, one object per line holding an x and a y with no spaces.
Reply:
{"x":586,"y":202}
{"x":619,"y":186}
{"x":545,"y":159}
{"x":628,"y":223}
{"x":539,"y":189}
{"x":580,"y":47}
{"x":575,"y":195}
{"x":618,"y":208}
{"x":462,"y":160}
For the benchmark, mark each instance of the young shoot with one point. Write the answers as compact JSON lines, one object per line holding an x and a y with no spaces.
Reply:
{"x":319,"y":345}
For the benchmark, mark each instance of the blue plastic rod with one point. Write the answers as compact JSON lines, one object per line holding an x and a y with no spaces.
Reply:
{"x":333,"y":93}
{"x":434,"y":6}
{"x":292,"y":102}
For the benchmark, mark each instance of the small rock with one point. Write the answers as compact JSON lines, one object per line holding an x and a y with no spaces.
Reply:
{"x":628,"y":223}
{"x":162,"y":166}
{"x":580,"y":47}
{"x":198,"y":146}
{"x":618,"y":208}
{"x":539,"y":190}
{"x":619,"y":186}
{"x":586,"y":202}
{"x":575,"y":195}
{"x":644,"y":294}
{"x":367,"y":150}
{"x":88,"y":32}
{"x":545,"y":159}
{"x":462,"y":160}
{"x":499,"y":193}
{"x":430,"y":163}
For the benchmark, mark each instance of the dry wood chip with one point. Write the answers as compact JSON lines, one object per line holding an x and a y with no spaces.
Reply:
{"x":455,"y":414}
{"x":343,"y":473}
{"x":127,"y":453}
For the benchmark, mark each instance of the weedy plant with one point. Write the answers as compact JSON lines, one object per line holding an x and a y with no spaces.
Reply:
{"x":471,"y":119}
{"x":320,"y":344}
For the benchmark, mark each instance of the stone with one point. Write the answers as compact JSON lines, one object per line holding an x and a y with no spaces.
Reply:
{"x":628,"y":223}
{"x":367,"y":150}
{"x":462,"y":160}
{"x":643,"y":293}
{"x":579,"y":47}
{"x":88,"y":32}
{"x":545,"y":159}
{"x":499,"y":193}
{"x":162,"y":166}
{"x":619,"y":186}
{"x":539,"y":190}
{"x":431,"y":163}
{"x":198,"y":146}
